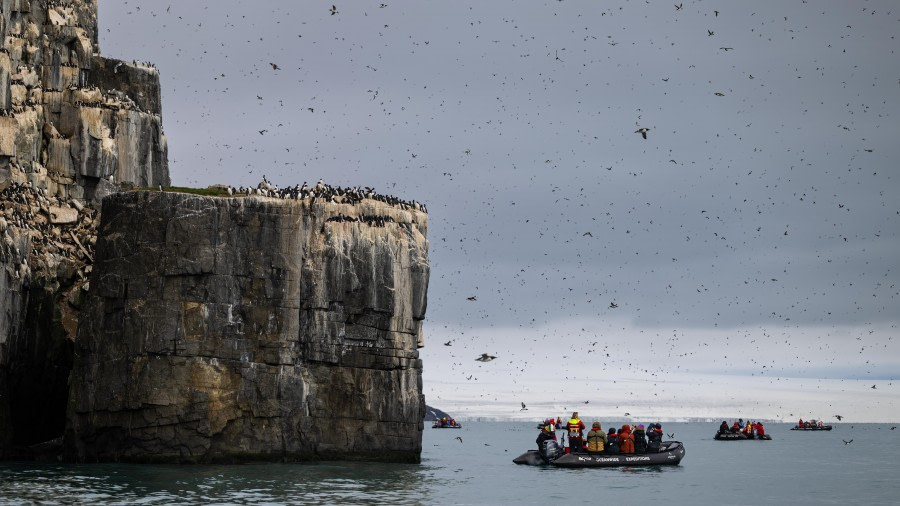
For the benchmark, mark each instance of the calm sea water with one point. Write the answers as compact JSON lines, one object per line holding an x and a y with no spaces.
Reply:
{"x":795,"y":467}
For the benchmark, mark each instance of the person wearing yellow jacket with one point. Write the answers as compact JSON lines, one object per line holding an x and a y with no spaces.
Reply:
{"x":575,"y":428}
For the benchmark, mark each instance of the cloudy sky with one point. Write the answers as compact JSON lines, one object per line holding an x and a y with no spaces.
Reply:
{"x":741,"y":260}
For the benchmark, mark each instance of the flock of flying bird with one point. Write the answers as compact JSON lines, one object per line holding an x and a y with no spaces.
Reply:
{"x":771,"y":189}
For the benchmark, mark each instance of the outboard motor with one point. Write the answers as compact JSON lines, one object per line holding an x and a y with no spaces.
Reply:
{"x":551,"y":451}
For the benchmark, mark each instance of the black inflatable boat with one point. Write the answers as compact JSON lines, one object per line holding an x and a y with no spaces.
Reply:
{"x":824,"y":427}
{"x":739,"y":436}
{"x":670,"y":453}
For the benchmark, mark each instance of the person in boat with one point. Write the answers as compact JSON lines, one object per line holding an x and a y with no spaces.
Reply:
{"x":800,"y":423}
{"x":821,"y":424}
{"x":654,"y":437}
{"x":740,"y":423}
{"x":640,"y":439}
{"x":547,"y":434}
{"x":575,"y":428}
{"x":760,"y":430}
{"x":735,"y":428}
{"x":723,"y":429}
{"x":613,"y":439}
{"x":626,"y":440}
{"x":596,"y":438}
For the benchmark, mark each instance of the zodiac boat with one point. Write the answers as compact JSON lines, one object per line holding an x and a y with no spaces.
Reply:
{"x":670,"y":453}
{"x":824,"y":427}
{"x":739,"y":436}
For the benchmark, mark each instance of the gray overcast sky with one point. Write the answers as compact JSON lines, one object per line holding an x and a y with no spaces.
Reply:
{"x":761,"y":213}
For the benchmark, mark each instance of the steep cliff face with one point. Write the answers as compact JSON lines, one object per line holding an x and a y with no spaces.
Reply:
{"x":74,"y":126}
{"x":228,"y":329}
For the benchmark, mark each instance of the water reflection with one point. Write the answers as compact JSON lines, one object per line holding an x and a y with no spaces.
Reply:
{"x":480,"y":471}
{"x":346,"y":483}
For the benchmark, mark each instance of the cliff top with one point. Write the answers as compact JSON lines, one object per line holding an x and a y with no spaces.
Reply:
{"x":321,"y":192}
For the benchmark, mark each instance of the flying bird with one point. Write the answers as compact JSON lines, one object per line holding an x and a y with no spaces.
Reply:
{"x":458,"y":438}
{"x":873,"y":387}
{"x":643,"y":131}
{"x":333,"y":10}
{"x":275,"y":66}
{"x":485,"y":358}
{"x":472,"y":298}
{"x":448,"y":343}
{"x":719,"y":94}
{"x":710,"y":33}
{"x":627,"y":414}
{"x":523,"y":407}
{"x":847,"y":442}
{"x":587,"y":234}
{"x":672,"y":435}
{"x":839,"y":417}
{"x":613,"y":305}
{"x":680,"y":6}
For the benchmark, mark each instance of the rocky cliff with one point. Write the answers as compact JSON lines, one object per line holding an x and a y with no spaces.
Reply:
{"x":232,"y":329}
{"x":209,"y":329}
{"x":74,"y":127}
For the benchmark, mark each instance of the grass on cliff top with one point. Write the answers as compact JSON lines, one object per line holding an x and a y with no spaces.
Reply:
{"x":209,"y":192}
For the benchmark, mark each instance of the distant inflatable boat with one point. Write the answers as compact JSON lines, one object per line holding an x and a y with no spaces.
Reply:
{"x":824,"y":427}
{"x":670,"y":453}
{"x":437,"y":425}
{"x":739,"y":436}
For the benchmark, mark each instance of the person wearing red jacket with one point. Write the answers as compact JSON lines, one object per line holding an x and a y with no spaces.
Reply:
{"x":626,"y":439}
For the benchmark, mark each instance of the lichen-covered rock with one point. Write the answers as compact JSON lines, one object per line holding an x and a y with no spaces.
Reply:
{"x":233,"y":329}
